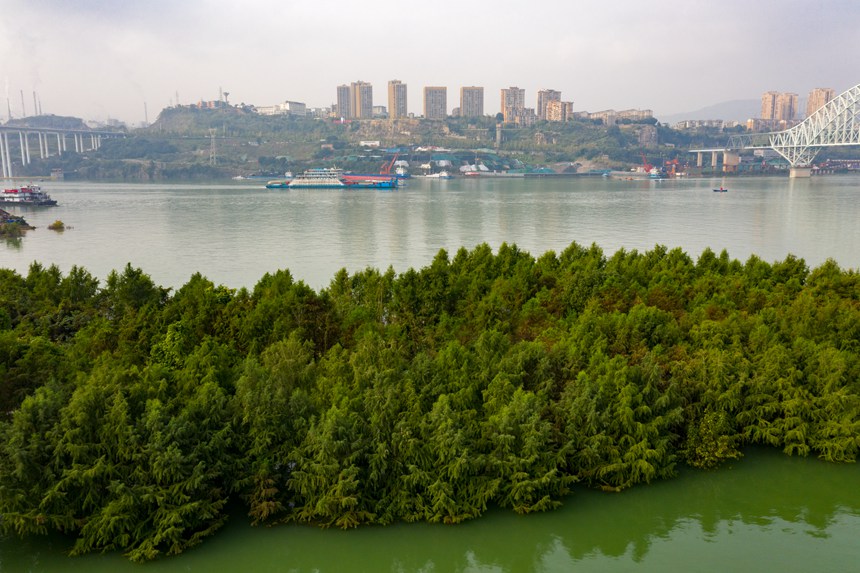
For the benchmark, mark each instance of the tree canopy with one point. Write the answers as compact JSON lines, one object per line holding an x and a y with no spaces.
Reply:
{"x":133,"y":415}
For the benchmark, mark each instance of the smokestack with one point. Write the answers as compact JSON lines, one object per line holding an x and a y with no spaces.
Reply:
{"x":23,"y":109}
{"x":35,"y":105}
{"x":8,"y":103}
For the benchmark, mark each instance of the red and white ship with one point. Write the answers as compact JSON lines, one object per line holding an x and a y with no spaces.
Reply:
{"x":26,"y":195}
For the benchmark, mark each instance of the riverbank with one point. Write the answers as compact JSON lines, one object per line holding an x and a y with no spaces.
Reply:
{"x":767,"y":510}
{"x":13,"y":226}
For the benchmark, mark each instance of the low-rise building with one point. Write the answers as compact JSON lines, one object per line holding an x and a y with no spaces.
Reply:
{"x":295,"y":108}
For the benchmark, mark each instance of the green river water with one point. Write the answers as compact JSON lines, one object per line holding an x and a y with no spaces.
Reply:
{"x":766,"y":512}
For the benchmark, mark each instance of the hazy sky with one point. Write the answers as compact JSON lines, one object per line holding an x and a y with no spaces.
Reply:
{"x":100,"y":59}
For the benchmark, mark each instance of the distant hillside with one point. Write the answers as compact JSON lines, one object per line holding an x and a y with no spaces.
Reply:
{"x":735,"y":110}
{"x":48,"y":122}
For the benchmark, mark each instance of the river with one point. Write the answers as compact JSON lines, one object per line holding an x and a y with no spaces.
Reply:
{"x":235,"y":233}
{"x":765,"y":512}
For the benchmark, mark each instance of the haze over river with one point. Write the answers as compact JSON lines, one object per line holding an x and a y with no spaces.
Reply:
{"x":766,"y":512}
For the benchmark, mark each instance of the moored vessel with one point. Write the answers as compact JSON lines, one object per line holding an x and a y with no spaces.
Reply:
{"x":26,"y":195}
{"x":438,"y":175}
{"x":330,"y":178}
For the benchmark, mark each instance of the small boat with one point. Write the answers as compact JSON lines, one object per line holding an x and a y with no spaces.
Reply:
{"x":278,"y":184}
{"x":438,"y":175}
{"x":721,"y":190}
{"x":27,"y":195}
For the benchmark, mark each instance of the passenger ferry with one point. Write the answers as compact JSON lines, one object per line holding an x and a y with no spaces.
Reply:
{"x":26,"y":195}
{"x":330,"y":178}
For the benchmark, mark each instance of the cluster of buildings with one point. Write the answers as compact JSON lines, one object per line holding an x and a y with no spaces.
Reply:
{"x":355,"y":101}
{"x":781,"y":110}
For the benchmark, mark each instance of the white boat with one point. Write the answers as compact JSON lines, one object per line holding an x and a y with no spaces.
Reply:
{"x":322,"y":178}
{"x":438,"y":175}
{"x":329,"y":178}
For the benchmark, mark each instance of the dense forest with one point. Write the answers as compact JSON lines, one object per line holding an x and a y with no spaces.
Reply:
{"x":133,"y":416}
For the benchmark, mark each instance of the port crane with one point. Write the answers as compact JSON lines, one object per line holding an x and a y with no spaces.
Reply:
{"x":386,"y":167}
{"x":647,"y":166}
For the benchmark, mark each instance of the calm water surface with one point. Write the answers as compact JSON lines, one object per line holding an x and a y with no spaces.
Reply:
{"x":767,"y":512}
{"x":235,"y":233}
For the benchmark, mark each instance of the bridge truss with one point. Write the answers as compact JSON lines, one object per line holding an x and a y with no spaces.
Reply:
{"x":835,"y":123}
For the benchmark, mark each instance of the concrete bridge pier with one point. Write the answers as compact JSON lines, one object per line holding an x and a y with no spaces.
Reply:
{"x":731,"y":160}
{"x":725,"y":157}
{"x":800,"y":172}
{"x":25,"y":151}
{"x":4,"y":156}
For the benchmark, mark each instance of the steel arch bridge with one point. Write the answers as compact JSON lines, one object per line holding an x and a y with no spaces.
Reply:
{"x":835,"y":123}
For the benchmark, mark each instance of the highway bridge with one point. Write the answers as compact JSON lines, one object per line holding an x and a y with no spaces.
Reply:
{"x":18,"y":142}
{"x":834,"y":124}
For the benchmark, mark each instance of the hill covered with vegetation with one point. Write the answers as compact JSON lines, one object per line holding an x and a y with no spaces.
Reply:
{"x":191,"y":143}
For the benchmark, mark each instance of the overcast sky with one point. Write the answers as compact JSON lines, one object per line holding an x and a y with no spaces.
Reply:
{"x":100,"y":59}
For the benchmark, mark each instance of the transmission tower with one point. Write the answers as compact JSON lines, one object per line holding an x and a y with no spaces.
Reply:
{"x":213,"y":157}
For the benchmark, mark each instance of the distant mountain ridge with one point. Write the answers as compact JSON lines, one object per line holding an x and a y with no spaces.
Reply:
{"x":734,"y":110}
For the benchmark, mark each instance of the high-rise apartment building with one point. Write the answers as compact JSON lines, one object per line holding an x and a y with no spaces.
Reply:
{"x":556,"y":110}
{"x":768,"y":104}
{"x":568,"y":110}
{"x":786,"y":107}
{"x":544,"y":97}
{"x":777,"y":106}
{"x":818,"y":98}
{"x":361,"y":95}
{"x":344,"y":102}
{"x":435,"y":102}
{"x":513,"y":103}
{"x":471,"y":101}
{"x":397,"y":99}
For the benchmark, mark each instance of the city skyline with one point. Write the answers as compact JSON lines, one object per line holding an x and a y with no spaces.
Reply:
{"x":99,"y":60}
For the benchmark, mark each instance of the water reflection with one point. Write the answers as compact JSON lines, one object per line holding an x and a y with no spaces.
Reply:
{"x":13,"y":242}
{"x":234,"y":234}
{"x":763,"y":511}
